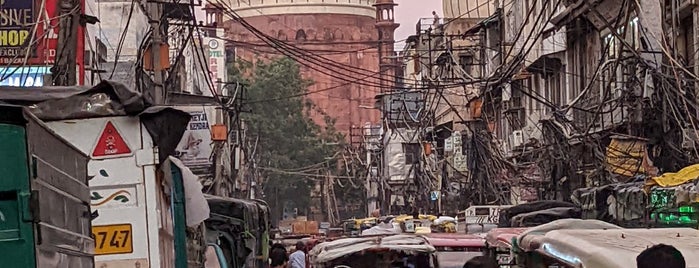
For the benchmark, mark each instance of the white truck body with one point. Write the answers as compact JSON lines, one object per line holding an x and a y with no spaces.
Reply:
{"x":125,"y":191}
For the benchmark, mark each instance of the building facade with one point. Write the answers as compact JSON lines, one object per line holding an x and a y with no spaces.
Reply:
{"x":342,"y":38}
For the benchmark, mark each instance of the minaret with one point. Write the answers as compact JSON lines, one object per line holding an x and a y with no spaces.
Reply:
{"x":214,"y":19}
{"x":386,"y":25}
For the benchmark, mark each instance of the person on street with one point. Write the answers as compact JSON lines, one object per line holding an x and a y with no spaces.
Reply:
{"x":278,"y":256}
{"x":661,"y":256}
{"x":298,"y":258}
{"x":480,"y":262}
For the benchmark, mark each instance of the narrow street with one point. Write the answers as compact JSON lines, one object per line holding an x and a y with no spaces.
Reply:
{"x":349,"y":133}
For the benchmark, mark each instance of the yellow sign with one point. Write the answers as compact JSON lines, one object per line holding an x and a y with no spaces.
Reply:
{"x":113,"y":239}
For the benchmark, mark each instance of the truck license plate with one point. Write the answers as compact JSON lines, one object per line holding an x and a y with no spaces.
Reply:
{"x":113,"y":239}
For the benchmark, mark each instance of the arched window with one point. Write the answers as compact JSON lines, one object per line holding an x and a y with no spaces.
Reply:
{"x":300,"y":35}
{"x":384,"y":15}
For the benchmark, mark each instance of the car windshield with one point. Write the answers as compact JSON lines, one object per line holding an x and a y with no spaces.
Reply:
{"x":455,"y":259}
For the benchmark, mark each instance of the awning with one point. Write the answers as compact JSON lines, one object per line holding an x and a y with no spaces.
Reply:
{"x":545,"y":65}
{"x":608,"y":9}
{"x":476,"y":28}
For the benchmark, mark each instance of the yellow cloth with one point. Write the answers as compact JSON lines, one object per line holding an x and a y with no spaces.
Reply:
{"x":683,"y":176}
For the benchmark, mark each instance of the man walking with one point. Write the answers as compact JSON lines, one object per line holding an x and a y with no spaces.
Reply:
{"x":298,"y":258}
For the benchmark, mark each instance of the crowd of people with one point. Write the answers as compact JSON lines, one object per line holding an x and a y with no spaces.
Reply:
{"x":279,"y":258}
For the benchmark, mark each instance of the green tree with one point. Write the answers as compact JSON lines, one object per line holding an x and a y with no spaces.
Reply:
{"x":287,"y":139}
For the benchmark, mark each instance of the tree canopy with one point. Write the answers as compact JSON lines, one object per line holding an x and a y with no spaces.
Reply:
{"x":287,"y":143}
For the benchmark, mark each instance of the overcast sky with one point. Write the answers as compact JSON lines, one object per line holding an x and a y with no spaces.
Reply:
{"x":409,"y":11}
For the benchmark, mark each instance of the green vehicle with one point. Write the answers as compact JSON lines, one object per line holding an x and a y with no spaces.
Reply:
{"x":44,"y":196}
{"x":240,"y":228}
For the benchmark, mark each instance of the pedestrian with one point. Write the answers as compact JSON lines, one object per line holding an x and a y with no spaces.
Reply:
{"x":481,"y":262}
{"x":278,"y":256}
{"x":661,"y":256}
{"x":298,"y":258}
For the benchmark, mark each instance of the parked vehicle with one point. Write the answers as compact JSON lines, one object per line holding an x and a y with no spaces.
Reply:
{"x":375,"y":251}
{"x":44,"y":216}
{"x":215,"y":257}
{"x":241,"y":229}
{"x":136,"y":190}
{"x":499,"y":243}
{"x":453,"y":250}
{"x":602,"y":248}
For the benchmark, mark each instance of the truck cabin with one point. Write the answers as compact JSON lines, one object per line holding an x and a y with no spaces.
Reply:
{"x":607,"y":248}
{"x":453,"y":250}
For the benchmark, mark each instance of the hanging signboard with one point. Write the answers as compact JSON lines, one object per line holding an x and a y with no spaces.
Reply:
{"x":196,"y":146}
{"x":216,"y":61}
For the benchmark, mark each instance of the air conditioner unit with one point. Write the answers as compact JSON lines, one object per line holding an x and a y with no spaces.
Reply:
{"x":517,"y":138}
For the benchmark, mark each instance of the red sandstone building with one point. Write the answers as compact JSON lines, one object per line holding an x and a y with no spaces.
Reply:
{"x":343,"y":31}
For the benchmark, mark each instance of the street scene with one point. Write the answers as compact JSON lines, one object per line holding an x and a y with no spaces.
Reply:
{"x":349,"y":133}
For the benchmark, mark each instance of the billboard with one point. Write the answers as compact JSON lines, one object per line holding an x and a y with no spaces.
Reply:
{"x":29,"y":33}
{"x":16,"y":26}
{"x":196,"y":146}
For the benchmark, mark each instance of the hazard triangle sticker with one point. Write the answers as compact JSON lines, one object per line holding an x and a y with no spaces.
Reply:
{"x":110,"y":143}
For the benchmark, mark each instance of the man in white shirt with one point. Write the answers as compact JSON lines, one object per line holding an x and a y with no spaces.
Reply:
{"x":298,"y":258}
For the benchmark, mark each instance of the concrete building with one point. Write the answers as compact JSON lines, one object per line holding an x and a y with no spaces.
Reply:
{"x":342,"y":32}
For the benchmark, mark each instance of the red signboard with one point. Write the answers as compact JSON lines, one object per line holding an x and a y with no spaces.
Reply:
{"x":19,"y":47}
{"x":110,"y":143}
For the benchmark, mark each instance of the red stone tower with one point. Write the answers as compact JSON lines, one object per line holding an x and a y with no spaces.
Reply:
{"x":342,"y":31}
{"x":386,"y":26}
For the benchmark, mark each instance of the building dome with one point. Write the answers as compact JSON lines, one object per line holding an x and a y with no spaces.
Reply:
{"x":385,"y":2}
{"x":253,"y":8}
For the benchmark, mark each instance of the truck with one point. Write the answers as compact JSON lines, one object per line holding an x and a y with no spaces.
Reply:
{"x":139,"y":196}
{"x":44,"y":197}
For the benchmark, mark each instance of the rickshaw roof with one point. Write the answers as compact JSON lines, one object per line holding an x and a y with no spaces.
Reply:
{"x":410,"y":244}
{"x":455,"y":240}
{"x":502,"y":237}
{"x":613,"y":248}
{"x":564,"y":224}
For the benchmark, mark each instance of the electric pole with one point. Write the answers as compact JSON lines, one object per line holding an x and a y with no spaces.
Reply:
{"x":64,"y":70}
{"x":155,"y":15}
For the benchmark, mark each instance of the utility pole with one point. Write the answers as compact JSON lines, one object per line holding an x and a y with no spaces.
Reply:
{"x":371,"y":191}
{"x":155,"y":15}
{"x":64,"y":71}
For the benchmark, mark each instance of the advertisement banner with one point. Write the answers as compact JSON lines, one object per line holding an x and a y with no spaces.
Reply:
{"x":195,"y":148}
{"x":16,"y":26}
{"x":29,"y":34}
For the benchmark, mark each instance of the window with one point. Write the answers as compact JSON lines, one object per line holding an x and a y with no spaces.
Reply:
{"x":301,"y":35}
{"x":614,"y":78}
{"x":412,"y":153}
{"x":466,"y":63}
